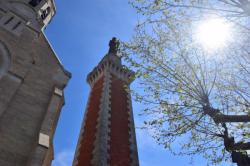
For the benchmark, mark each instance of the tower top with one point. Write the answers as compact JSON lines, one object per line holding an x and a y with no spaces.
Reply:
{"x":112,"y":63}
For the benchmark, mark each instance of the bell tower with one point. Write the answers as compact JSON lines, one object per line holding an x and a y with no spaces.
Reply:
{"x":107,"y":136}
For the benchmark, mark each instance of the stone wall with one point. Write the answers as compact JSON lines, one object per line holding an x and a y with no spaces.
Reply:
{"x":31,"y":97}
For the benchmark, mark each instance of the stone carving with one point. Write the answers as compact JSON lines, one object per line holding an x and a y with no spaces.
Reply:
{"x":114,"y":46}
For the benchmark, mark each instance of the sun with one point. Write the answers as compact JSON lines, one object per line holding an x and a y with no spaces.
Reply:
{"x":213,"y":33}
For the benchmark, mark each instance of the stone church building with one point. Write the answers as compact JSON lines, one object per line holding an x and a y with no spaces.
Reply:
{"x":32,"y":80}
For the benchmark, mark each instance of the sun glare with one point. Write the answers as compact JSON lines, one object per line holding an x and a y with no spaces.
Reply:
{"x":213,"y":33}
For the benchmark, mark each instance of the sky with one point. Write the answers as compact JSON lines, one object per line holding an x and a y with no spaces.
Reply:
{"x":79,"y":34}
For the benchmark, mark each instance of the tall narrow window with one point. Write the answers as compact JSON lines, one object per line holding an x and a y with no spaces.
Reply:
{"x":9,"y":20}
{"x":34,"y":3}
{"x":17,"y":25}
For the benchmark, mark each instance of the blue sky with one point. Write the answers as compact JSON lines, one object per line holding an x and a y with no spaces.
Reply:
{"x":80,"y":33}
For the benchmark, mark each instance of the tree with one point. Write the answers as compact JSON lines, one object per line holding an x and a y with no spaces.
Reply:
{"x":189,"y":92}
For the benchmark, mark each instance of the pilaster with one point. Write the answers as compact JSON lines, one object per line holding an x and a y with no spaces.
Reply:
{"x":100,"y":153}
{"x":44,"y":143}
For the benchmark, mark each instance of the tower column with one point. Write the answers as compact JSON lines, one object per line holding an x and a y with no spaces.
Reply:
{"x":107,"y":137}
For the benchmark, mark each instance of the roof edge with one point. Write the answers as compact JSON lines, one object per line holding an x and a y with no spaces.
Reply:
{"x":67,"y":73}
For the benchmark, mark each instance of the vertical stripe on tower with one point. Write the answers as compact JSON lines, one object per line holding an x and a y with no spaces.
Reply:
{"x":100,"y":153}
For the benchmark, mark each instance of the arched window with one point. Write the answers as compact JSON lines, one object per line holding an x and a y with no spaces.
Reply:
{"x":4,"y":60}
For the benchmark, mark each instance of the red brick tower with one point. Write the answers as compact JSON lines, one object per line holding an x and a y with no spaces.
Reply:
{"x":107,"y":136}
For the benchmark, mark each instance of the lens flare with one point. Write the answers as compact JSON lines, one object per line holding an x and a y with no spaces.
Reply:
{"x":213,"y":33}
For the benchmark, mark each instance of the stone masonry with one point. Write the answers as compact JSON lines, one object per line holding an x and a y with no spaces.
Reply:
{"x":32,"y":80}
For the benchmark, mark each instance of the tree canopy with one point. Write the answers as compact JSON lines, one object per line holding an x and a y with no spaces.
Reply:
{"x":194,"y":97}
